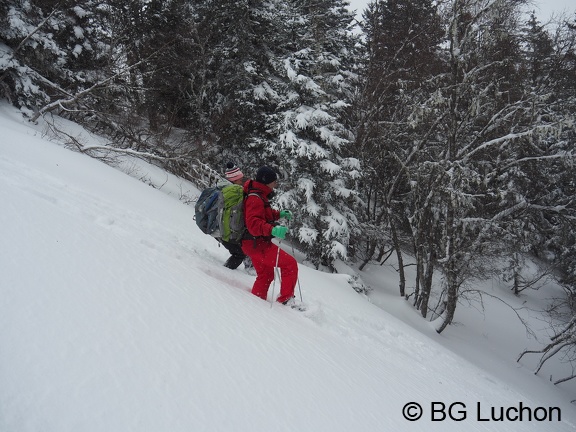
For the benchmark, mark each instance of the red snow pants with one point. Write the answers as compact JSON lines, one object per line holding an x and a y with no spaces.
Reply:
{"x":263,"y":254}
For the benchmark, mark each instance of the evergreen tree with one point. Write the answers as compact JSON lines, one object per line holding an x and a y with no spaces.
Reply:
{"x":538,"y":50}
{"x":231,"y":79}
{"x":308,"y":138}
{"x":167,"y":31}
{"x":51,"y":49}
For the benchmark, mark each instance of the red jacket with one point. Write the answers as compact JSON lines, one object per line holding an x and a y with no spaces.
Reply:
{"x":258,"y":215}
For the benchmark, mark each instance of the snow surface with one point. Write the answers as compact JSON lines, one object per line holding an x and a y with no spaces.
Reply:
{"x":116,"y":315}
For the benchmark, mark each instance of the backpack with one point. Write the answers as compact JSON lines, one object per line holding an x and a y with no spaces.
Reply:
{"x":231,"y":218}
{"x":206,"y":210}
{"x":219,"y":212}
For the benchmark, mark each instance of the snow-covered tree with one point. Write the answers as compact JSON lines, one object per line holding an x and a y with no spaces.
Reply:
{"x":50,"y":49}
{"x":231,"y":85}
{"x":307,"y":135}
{"x":163,"y":34}
{"x":555,"y":182}
{"x":494,"y":121}
{"x":402,"y":44}
{"x":465,"y":144}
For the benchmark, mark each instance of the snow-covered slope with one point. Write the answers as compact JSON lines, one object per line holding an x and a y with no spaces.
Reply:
{"x":117,"y":315}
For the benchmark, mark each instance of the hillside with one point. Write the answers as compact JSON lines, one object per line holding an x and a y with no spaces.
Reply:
{"x":117,"y":315}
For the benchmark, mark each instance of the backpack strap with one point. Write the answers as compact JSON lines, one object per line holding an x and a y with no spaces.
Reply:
{"x":255,"y":192}
{"x":259,"y":196}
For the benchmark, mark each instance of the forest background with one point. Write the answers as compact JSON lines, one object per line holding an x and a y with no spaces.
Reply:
{"x":438,"y":132}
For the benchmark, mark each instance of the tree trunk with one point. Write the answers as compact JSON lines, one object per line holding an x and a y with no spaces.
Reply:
{"x":427,"y":284}
{"x":369,"y":254}
{"x":419,"y":272}
{"x":451,"y":301}
{"x":396,"y":243}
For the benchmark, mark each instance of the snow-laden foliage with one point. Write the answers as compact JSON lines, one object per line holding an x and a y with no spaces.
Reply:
{"x":50,"y":49}
{"x":464,"y":141}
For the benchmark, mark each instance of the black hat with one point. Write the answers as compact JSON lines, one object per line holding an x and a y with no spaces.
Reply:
{"x":266,"y":175}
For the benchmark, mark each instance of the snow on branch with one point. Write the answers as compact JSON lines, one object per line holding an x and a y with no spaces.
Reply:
{"x":499,"y":140}
{"x":32,"y":33}
{"x":60,"y":103}
{"x":560,"y":155}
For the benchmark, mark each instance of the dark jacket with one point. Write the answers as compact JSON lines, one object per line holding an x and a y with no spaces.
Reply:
{"x":258,"y":215}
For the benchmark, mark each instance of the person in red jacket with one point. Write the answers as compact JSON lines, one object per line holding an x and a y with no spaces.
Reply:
{"x":261,"y":226}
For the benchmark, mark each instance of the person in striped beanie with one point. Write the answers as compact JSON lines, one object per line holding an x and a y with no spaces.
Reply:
{"x":235,"y":192}
{"x":233,"y":173}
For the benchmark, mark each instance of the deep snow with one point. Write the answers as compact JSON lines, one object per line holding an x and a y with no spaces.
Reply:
{"x":117,"y":315}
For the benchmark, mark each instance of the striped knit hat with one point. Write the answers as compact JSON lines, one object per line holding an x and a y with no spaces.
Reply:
{"x":233,"y":173}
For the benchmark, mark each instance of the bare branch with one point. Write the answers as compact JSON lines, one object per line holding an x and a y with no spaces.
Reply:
{"x":565,"y":338}
{"x":512,"y":308}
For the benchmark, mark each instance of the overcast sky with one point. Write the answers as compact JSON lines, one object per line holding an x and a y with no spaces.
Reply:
{"x":544,"y":8}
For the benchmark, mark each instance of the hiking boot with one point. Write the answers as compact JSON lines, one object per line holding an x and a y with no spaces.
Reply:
{"x":233,"y":262}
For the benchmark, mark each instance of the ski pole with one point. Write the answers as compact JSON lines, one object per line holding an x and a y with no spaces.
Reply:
{"x":276,"y":273}
{"x":294,"y":255}
{"x":298,"y":278}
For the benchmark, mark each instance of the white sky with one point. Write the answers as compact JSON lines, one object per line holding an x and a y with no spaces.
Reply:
{"x":544,"y":8}
{"x":116,"y":315}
